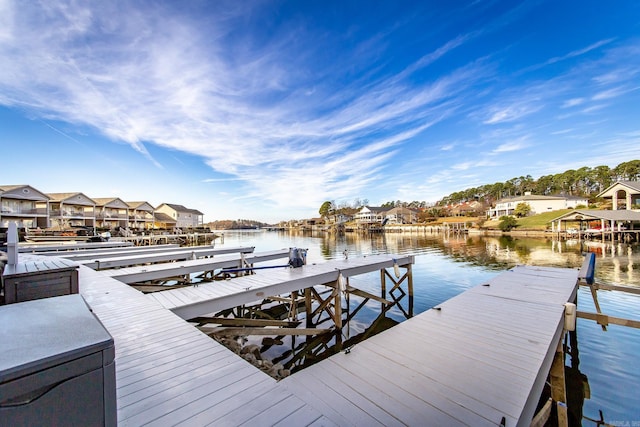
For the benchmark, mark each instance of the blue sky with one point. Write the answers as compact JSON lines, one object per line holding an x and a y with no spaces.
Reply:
{"x":265,"y":109}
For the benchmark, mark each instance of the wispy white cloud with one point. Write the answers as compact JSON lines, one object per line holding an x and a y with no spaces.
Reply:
{"x":158,"y":80}
{"x":580,"y":52}
{"x":570,"y":55}
{"x":510,"y":146}
{"x":512,"y":112}
{"x":609,"y":93}
{"x":573,"y":102}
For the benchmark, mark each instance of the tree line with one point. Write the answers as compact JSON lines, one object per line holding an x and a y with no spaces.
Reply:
{"x":585,"y":181}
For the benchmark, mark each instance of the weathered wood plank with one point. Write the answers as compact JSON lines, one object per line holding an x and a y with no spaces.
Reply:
{"x":606,"y":320}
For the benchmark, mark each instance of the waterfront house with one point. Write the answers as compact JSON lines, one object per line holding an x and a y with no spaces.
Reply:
{"x":18,"y":203}
{"x":184,"y":217}
{"x":624,"y":195}
{"x":111,"y":212}
{"x":371,"y":215}
{"x":141,"y":215}
{"x":401,"y":215}
{"x":471,"y":208}
{"x":538,"y":204}
{"x":339,"y":218}
{"x":70,"y":210}
{"x":163,"y":221}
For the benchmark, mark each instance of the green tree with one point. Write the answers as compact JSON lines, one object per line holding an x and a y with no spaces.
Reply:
{"x":522,"y":209}
{"x":326,"y":209}
{"x":628,"y":171}
{"x":507,"y":223}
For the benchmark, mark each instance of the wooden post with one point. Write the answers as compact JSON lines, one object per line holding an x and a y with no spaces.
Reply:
{"x":293,"y":308}
{"x":410,"y":288}
{"x":337,"y":313}
{"x":558,"y":392}
{"x":337,"y":307}
{"x":308,"y":306}
{"x":383,"y":285}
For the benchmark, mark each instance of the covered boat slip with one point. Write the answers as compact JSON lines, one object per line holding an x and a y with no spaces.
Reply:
{"x":621,"y":225}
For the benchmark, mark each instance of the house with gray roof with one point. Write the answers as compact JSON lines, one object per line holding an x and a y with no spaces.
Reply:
{"x":184,"y":217}
{"x":70,"y":210}
{"x":18,"y":204}
{"x":538,"y":204}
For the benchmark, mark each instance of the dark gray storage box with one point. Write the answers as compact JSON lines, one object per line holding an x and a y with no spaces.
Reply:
{"x":56,"y":365}
{"x":29,"y":280}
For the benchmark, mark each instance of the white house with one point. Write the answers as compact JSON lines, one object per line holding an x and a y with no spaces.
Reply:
{"x":184,"y":217}
{"x":538,"y":204}
{"x":371,"y":215}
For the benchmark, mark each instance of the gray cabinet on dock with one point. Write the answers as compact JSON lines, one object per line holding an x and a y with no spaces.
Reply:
{"x":31,"y":280}
{"x":56,"y":365}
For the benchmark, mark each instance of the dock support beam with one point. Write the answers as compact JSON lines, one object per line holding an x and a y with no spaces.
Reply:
{"x":558,"y":388}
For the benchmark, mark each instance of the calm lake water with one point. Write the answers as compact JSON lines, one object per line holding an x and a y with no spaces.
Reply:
{"x":447,"y":265}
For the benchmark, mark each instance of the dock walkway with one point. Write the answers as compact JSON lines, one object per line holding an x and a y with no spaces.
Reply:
{"x":477,"y":358}
{"x":101,"y":262}
{"x":89,"y":253}
{"x":169,"y":373}
{"x":164,"y":271}
{"x":49,"y":247}
{"x":206,"y":298}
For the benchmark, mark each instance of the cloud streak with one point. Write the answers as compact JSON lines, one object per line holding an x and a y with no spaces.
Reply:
{"x":158,"y":80}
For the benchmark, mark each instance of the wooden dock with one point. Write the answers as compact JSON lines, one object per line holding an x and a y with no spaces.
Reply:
{"x":206,"y":298}
{"x":101,"y":262}
{"x":182,"y":268}
{"x":53,"y":247}
{"x":78,"y":255}
{"x":154,"y":239}
{"x":169,"y":373}
{"x":480,"y":358}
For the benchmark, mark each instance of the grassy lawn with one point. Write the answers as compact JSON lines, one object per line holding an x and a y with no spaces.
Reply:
{"x":540,"y":221}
